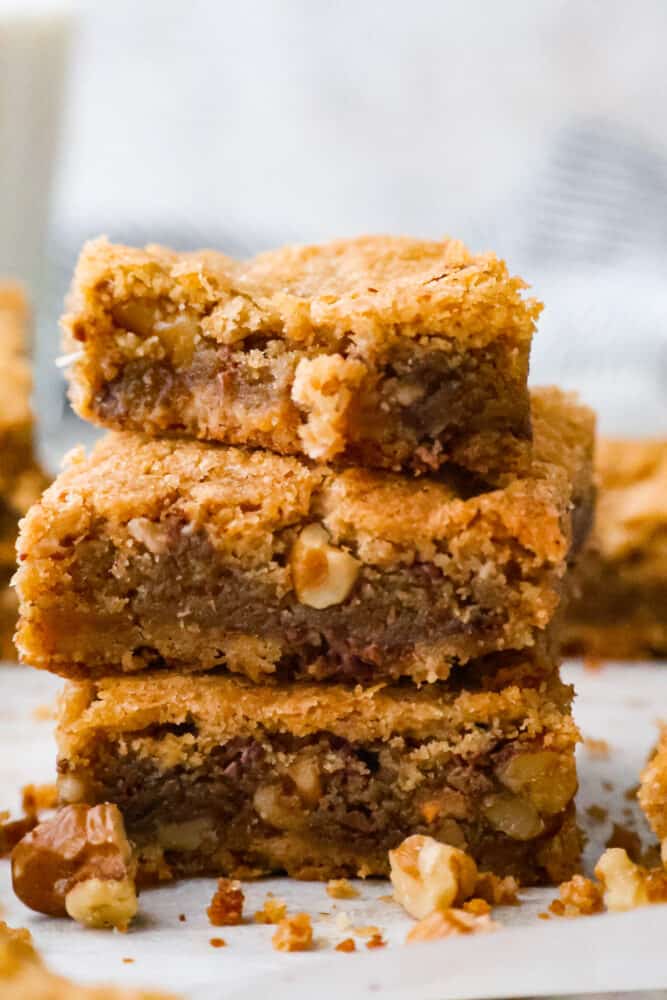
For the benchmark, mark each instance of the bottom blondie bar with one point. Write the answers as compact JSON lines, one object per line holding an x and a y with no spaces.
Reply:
{"x":621,"y":611}
{"x":217,"y":776}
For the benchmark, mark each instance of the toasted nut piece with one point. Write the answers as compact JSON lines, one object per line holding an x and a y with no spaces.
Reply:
{"x":323,"y":575}
{"x":547,"y":778}
{"x":513,"y":815}
{"x":446,"y":923}
{"x":427,"y":875}
{"x":623,"y":882}
{"x":99,"y":902}
{"x":579,"y":897}
{"x":293,"y":934}
{"x":226,"y":906}
{"x":340,"y":888}
{"x":80,"y":844}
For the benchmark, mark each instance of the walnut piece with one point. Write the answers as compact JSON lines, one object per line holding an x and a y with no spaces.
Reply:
{"x":340,"y":888}
{"x":447,"y":923}
{"x":226,"y":906}
{"x":293,"y":934}
{"x":427,"y":875}
{"x":513,"y":815}
{"x":546,"y":778}
{"x":323,"y":575}
{"x":626,"y":885}
{"x":79,"y":862}
{"x":579,"y":897}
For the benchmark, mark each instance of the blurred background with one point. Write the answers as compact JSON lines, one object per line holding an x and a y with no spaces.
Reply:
{"x":534,"y":129}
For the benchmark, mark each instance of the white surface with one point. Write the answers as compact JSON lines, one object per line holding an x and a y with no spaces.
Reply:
{"x":527,"y":957}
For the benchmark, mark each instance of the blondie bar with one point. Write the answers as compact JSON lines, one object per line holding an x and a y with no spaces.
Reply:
{"x":15,"y":387}
{"x":621,"y":610}
{"x":376,"y":351}
{"x":216,"y":775}
{"x":652,"y":793}
{"x":162,"y":553}
{"x":21,"y":481}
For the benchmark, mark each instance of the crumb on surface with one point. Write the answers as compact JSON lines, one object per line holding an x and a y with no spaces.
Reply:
{"x":593,"y":663}
{"x":477,"y":906}
{"x":347,"y":944}
{"x":38,"y":798}
{"x":599,"y":749}
{"x":217,"y":942}
{"x":497,"y":891}
{"x":128,"y":961}
{"x":388,"y":898}
{"x":341,"y":888}
{"x":226,"y":906}
{"x":367,"y":931}
{"x":448,"y":923}
{"x":376,"y":941}
{"x":608,"y":786}
{"x":543,"y":916}
{"x":182,"y":917}
{"x":273,"y":911}
{"x":579,"y":897}
{"x":630,"y":794}
{"x":293,"y":933}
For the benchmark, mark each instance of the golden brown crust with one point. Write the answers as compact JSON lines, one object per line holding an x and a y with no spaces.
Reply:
{"x":223,"y":707}
{"x":373,"y":287}
{"x":15,"y":380}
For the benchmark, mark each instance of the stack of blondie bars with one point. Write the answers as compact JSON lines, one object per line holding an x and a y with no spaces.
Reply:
{"x":306,"y":592}
{"x":21,"y":480}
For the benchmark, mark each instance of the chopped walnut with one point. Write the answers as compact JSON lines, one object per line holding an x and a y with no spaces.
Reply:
{"x":623,"y":882}
{"x":497,"y":891}
{"x":579,"y":897}
{"x":272,"y":912}
{"x":226,"y":906}
{"x":427,"y":875}
{"x":38,"y":798}
{"x":340,"y":888}
{"x":347,"y":944}
{"x":477,"y":906}
{"x":449,"y":922}
{"x":323,"y":575}
{"x":80,"y":863}
{"x":293,"y":933}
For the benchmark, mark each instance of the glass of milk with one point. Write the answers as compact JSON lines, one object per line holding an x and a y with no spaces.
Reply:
{"x":34,"y":36}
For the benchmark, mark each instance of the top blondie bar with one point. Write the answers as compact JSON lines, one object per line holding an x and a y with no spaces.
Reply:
{"x":379,"y":351}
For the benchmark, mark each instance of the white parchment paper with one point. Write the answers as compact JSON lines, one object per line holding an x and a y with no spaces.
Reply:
{"x":527,"y":957}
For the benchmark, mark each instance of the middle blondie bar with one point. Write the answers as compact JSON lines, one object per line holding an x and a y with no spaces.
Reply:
{"x":215,"y":775}
{"x":155,"y":553}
